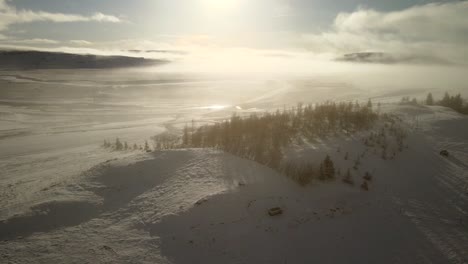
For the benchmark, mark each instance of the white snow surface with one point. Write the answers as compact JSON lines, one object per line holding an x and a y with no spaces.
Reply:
{"x":63,"y":199}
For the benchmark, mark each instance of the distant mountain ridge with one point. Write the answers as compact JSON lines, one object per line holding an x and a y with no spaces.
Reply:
{"x":28,"y":60}
{"x":369,"y":57}
{"x":388,"y":58}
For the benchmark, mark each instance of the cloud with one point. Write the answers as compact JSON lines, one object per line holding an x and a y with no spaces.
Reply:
{"x":439,"y":30}
{"x":3,"y":5}
{"x":9,"y":15}
{"x":80,"y":42}
{"x":36,"y":41}
{"x":100,"y":17}
{"x":283,"y":9}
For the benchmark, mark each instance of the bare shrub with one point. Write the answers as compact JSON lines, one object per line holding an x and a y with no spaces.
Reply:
{"x":365,"y":186}
{"x":348,"y":178}
{"x":367,"y":176}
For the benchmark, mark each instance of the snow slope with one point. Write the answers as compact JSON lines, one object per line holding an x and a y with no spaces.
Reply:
{"x":204,"y":206}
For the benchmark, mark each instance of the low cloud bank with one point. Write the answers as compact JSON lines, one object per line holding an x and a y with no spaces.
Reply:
{"x":436,"y":30}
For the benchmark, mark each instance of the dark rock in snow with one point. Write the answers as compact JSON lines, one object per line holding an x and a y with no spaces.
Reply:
{"x":199,"y":202}
{"x":275,"y":211}
{"x":444,"y":153}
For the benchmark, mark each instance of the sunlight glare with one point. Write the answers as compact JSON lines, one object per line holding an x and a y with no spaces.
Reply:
{"x":216,"y":107}
{"x":221,"y":4}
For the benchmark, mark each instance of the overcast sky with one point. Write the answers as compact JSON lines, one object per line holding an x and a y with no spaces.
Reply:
{"x":437,"y":28}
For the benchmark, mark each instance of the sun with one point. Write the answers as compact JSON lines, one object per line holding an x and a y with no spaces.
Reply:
{"x":221,"y":4}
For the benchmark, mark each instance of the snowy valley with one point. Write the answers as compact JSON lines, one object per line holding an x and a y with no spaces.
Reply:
{"x":66,"y":199}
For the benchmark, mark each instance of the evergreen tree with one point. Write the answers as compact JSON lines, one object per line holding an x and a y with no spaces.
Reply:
{"x":367,"y":176}
{"x":322,"y":175}
{"x":118,"y":144}
{"x":192,"y":132}
{"x":369,"y":103}
{"x":135,"y":147}
{"x":126,"y":145}
{"x":456,"y":103}
{"x":275,"y":156}
{"x":429,"y":99}
{"x":328,"y":168}
{"x":185,"y":136}
{"x":446,"y":100}
{"x":147,"y":147}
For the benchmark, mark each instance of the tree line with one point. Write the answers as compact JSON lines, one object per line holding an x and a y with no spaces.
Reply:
{"x":456,"y":102}
{"x":119,"y":145}
{"x":263,"y":137}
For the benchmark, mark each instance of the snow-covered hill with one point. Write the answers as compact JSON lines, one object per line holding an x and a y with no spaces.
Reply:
{"x":205,"y":206}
